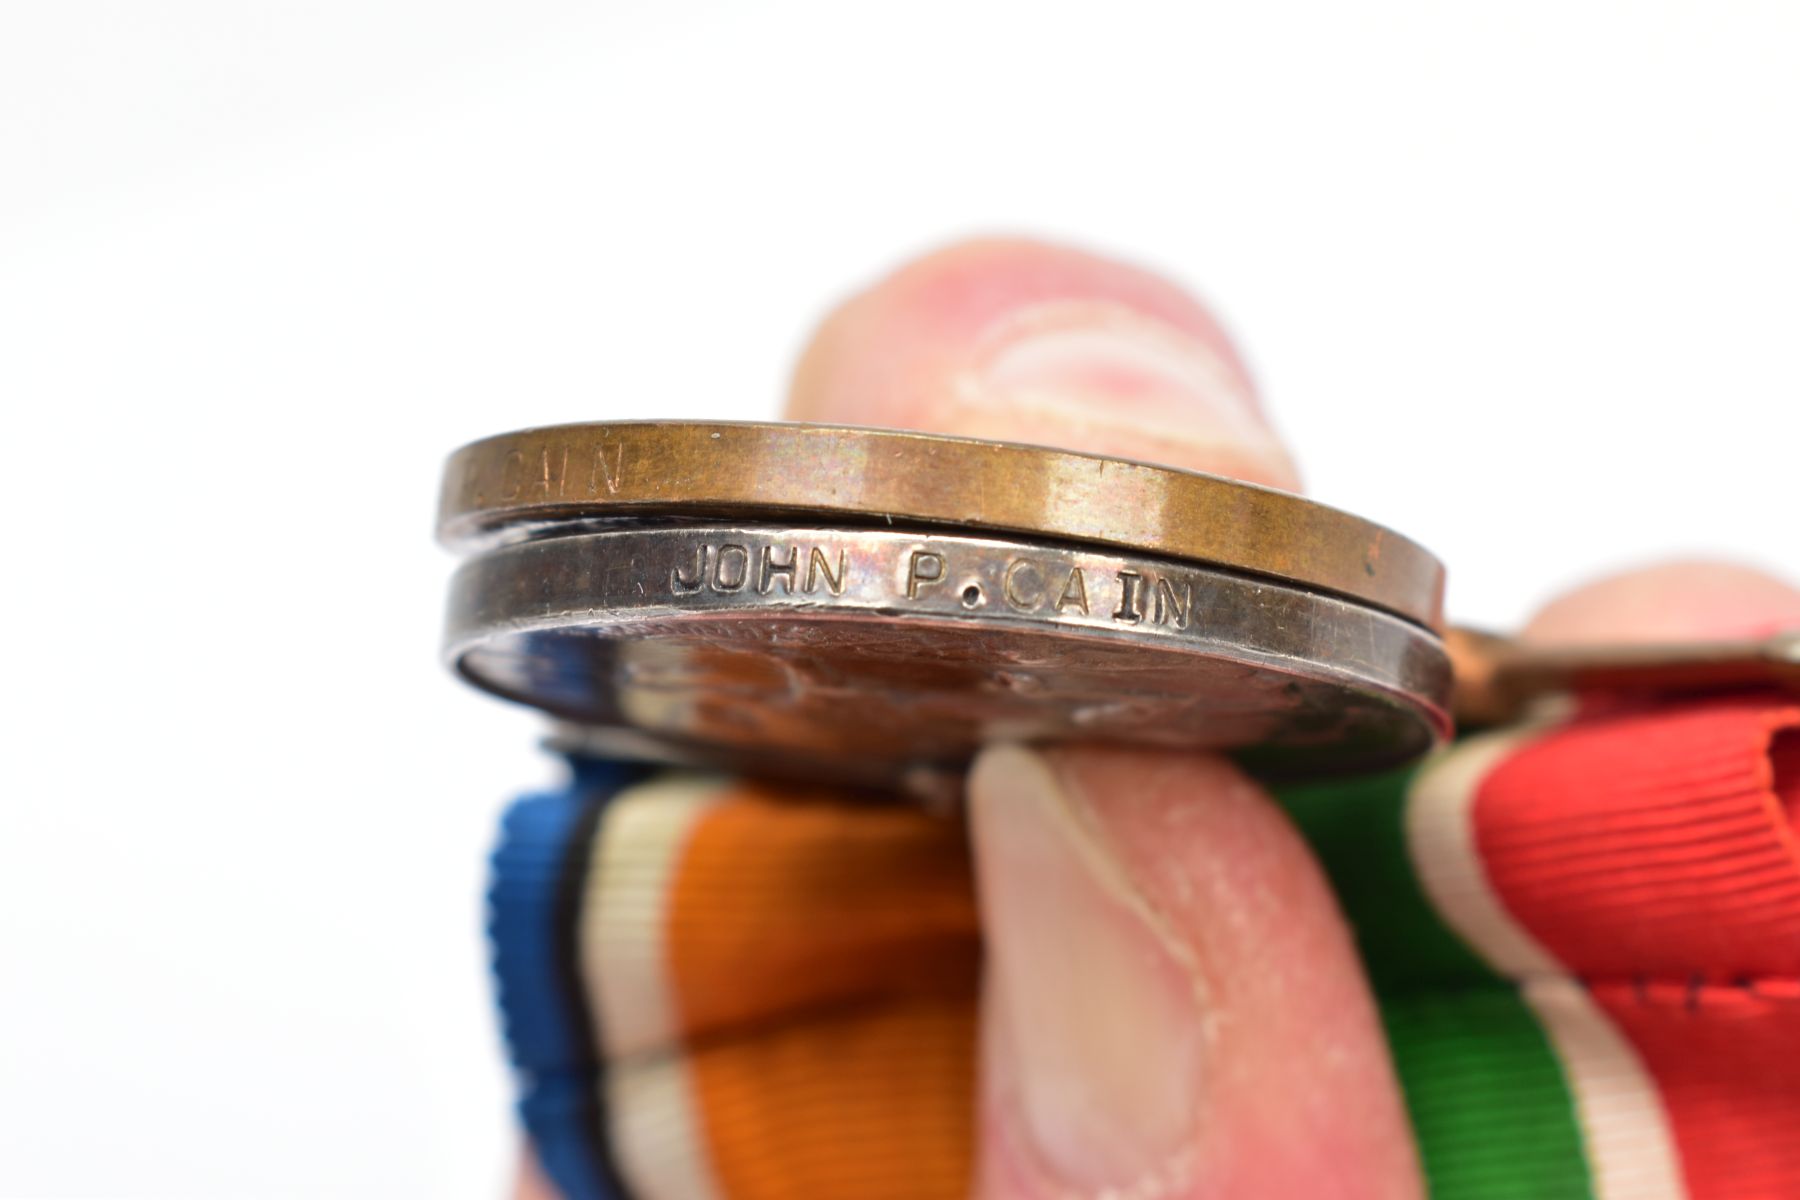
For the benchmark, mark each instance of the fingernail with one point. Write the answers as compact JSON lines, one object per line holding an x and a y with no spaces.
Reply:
{"x":1095,"y":1009}
{"x":1098,"y":375}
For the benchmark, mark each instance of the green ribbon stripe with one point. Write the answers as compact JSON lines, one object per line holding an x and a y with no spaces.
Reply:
{"x":1491,"y":1111}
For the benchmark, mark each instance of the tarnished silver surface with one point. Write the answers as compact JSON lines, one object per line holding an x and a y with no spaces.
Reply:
{"x":880,"y":655}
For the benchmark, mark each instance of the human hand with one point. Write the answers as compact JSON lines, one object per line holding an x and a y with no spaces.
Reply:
{"x":1172,"y":1005}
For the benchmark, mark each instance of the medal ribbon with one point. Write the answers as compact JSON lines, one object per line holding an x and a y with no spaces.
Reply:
{"x":1584,"y":939}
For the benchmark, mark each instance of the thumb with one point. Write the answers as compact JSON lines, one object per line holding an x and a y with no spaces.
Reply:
{"x":1172,"y":1006}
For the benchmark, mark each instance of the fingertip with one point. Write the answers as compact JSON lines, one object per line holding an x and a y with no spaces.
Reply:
{"x":530,"y":1182}
{"x":1095,"y":1031}
{"x":1030,"y":341}
{"x":1174,"y":1004}
{"x":1673,"y":601}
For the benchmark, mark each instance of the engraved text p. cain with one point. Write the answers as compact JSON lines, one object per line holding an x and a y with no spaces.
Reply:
{"x":1029,"y":586}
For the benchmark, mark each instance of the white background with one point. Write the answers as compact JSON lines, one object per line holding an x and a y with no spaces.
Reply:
{"x":1522,"y":280}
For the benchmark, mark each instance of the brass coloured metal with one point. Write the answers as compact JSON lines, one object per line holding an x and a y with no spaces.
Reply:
{"x":1499,"y":679}
{"x":531,"y":482}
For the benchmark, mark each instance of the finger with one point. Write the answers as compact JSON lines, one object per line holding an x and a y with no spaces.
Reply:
{"x":1670,"y":602}
{"x":1029,"y":342}
{"x":1174,"y":1008}
{"x":530,"y":1183}
{"x":1172,"y":1005}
